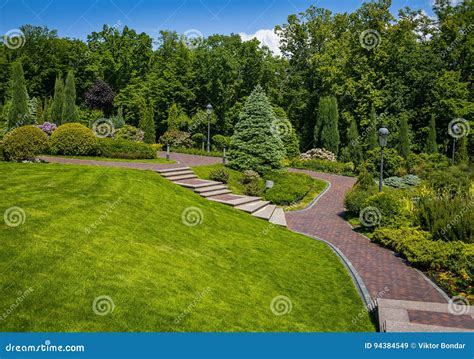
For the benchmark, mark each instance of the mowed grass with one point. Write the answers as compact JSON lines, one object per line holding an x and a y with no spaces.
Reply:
{"x":108,"y":159}
{"x":91,"y":232}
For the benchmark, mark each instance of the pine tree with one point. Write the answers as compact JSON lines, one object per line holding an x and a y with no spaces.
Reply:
{"x":404,"y":136}
{"x":372,"y":136}
{"x":431,"y":145}
{"x":254,"y":144}
{"x":58,"y":101}
{"x":147,"y":122}
{"x":330,"y":128}
{"x":18,"y":112}
{"x":354,"y":146}
{"x":69,"y":113}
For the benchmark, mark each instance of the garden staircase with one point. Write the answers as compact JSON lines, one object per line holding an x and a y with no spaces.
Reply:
{"x":218,"y":192}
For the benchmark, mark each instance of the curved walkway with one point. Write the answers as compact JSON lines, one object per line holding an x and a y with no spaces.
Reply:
{"x":384,"y":274}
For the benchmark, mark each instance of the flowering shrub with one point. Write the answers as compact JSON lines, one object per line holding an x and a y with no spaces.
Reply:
{"x":48,"y":128}
{"x":318,"y":153}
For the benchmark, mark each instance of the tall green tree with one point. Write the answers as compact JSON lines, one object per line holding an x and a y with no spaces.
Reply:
{"x":255,"y":145}
{"x":462,"y":155}
{"x":431,"y":145}
{"x":354,"y":143}
{"x":372,"y":131}
{"x":329,"y":121}
{"x":58,"y":101}
{"x":147,"y":123}
{"x":18,"y":111}
{"x":404,"y":136}
{"x":69,"y":112}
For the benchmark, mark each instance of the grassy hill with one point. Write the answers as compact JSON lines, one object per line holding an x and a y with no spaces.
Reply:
{"x":117,"y":235}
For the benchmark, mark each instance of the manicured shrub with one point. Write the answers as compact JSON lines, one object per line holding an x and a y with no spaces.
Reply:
{"x":451,"y":263}
{"x":447,"y":218}
{"x":120,"y":148}
{"x":288,"y":188}
{"x":390,"y":206}
{"x":73,"y":139}
{"x":130,"y":133}
{"x":412,"y":180}
{"x":254,"y":144}
{"x":450,"y":182}
{"x":356,"y":200}
{"x":253,"y":188}
{"x":424,"y":164}
{"x":219,"y":141}
{"x":176,"y":138}
{"x":318,"y":153}
{"x":25,"y":143}
{"x":250,"y":176}
{"x":198,"y":139}
{"x":219,"y":175}
{"x":395,"y":182}
{"x":326,"y":130}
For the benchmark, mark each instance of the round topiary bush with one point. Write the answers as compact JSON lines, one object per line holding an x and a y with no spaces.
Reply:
{"x":73,"y":139}
{"x":25,"y":143}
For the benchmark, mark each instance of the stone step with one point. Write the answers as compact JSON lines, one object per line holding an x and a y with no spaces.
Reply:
{"x":195,"y":183}
{"x":265,"y":212}
{"x":166,"y":170}
{"x":215,"y":193}
{"x":213,"y":187}
{"x":278,"y":217}
{"x":234,"y":200}
{"x":181,"y":177}
{"x":252,"y":206}
{"x":177,"y":173}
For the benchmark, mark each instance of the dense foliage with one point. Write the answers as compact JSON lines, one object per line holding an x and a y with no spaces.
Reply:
{"x":73,"y":139}
{"x":120,"y":148}
{"x":25,"y":143}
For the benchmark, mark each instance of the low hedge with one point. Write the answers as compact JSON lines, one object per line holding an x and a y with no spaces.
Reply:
{"x":120,"y":148}
{"x":73,"y":139}
{"x":346,"y":169}
{"x":25,"y":143}
{"x":451,"y":263}
{"x":289,"y":188}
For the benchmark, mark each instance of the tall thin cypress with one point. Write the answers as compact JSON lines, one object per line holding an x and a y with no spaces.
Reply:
{"x":147,"y":122}
{"x":17,"y":114}
{"x":58,"y":101}
{"x":354,"y":146}
{"x":372,"y":137}
{"x":330,"y":127}
{"x":69,"y":113}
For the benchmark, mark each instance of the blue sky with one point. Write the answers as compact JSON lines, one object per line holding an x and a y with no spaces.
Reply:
{"x":77,"y":18}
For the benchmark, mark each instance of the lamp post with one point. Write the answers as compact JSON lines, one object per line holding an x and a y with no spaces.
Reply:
{"x":209,"y":112}
{"x":383,"y":135}
{"x":455,"y":129}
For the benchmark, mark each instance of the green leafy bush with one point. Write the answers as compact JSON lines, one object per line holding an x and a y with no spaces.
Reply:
{"x":390,"y":206}
{"x":253,"y":188}
{"x":119,"y":148}
{"x":73,"y":139}
{"x":250,"y":176}
{"x":395,"y":182}
{"x":130,"y":133}
{"x":25,"y":143}
{"x":219,"y":175}
{"x":346,"y":169}
{"x":176,"y":138}
{"x":423,"y":164}
{"x":450,"y":182}
{"x":356,"y":200}
{"x":288,"y":188}
{"x":219,"y":141}
{"x":198,"y":139}
{"x":393,"y":165}
{"x":447,"y":218}
{"x":452,"y":263}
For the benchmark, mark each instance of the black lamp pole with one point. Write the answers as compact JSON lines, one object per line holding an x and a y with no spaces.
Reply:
{"x":383,"y":134}
{"x":456,"y":130}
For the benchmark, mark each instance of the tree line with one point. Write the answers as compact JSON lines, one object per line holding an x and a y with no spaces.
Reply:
{"x":341,"y":76}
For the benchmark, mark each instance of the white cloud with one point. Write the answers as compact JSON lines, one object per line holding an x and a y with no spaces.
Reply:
{"x":266,"y":37}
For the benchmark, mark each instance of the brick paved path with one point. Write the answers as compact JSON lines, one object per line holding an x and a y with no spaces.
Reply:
{"x":191,"y":160}
{"x":381,"y":271}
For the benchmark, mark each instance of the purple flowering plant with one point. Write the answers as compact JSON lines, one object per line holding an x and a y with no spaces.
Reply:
{"x":48,"y":128}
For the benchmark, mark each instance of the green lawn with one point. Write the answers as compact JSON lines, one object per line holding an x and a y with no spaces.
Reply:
{"x":96,"y":158}
{"x":284,"y":183}
{"x":92,"y":232}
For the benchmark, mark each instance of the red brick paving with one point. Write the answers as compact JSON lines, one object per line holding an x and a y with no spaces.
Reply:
{"x":384,"y":274}
{"x":191,"y":160}
{"x":441,"y":319}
